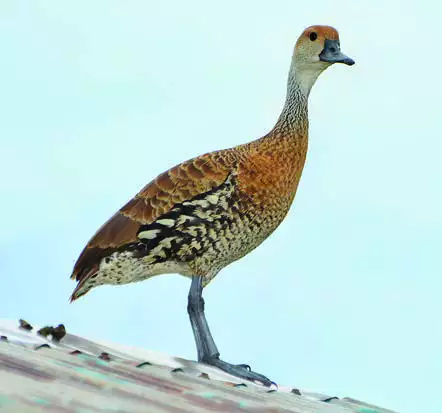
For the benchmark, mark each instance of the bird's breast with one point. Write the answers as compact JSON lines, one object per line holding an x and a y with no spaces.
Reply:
{"x":269,"y":179}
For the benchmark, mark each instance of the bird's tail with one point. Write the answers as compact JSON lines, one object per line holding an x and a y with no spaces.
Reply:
{"x":83,"y":286}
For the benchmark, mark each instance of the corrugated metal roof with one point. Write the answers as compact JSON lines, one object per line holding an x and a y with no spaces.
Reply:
{"x":76,"y":375}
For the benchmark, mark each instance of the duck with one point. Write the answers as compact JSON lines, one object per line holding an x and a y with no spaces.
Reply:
{"x":209,"y":211}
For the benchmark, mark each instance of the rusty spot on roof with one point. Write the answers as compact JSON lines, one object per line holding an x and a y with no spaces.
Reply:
{"x":105,"y":356}
{"x":329,"y":399}
{"x":145,"y":363}
{"x":177,"y":370}
{"x":42,"y":346}
{"x":56,"y":333}
{"x":23,"y":324}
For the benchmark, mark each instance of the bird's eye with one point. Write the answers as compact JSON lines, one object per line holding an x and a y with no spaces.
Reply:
{"x":313,"y":36}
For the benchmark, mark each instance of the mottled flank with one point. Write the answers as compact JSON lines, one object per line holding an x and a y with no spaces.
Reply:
{"x":207,"y":212}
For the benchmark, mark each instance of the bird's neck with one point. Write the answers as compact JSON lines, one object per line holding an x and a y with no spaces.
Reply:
{"x":292,"y":124}
{"x":294,"y":116}
{"x":282,"y":152}
{"x":289,"y":136}
{"x":286,"y":144}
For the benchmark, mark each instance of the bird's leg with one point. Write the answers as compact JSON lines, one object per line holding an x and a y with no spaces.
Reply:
{"x":207,"y":351}
{"x":205,"y":344}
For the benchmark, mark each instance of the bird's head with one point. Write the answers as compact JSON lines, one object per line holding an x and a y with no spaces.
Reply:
{"x":316,"y":49}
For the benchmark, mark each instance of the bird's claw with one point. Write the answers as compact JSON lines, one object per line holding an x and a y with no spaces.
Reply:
{"x":242,"y":371}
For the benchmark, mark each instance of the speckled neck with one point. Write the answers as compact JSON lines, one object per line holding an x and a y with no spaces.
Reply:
{"x":294,"y":115}
{"x":289,"y":137}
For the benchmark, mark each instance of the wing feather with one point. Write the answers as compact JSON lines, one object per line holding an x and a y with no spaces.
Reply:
{"x":178,"y":184}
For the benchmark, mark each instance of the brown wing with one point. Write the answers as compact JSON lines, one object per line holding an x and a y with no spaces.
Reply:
{"x":177,"y":185}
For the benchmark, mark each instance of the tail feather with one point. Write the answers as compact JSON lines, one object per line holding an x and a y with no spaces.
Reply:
{"x":82,"y":287}
{"x":86,"y":267}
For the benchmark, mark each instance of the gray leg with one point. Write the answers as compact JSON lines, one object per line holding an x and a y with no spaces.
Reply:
{"x":203,"y":337}
{"x":207,"y":351}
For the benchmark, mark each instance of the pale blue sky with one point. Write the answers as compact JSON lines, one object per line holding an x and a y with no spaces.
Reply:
{"x":97,"y":98}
